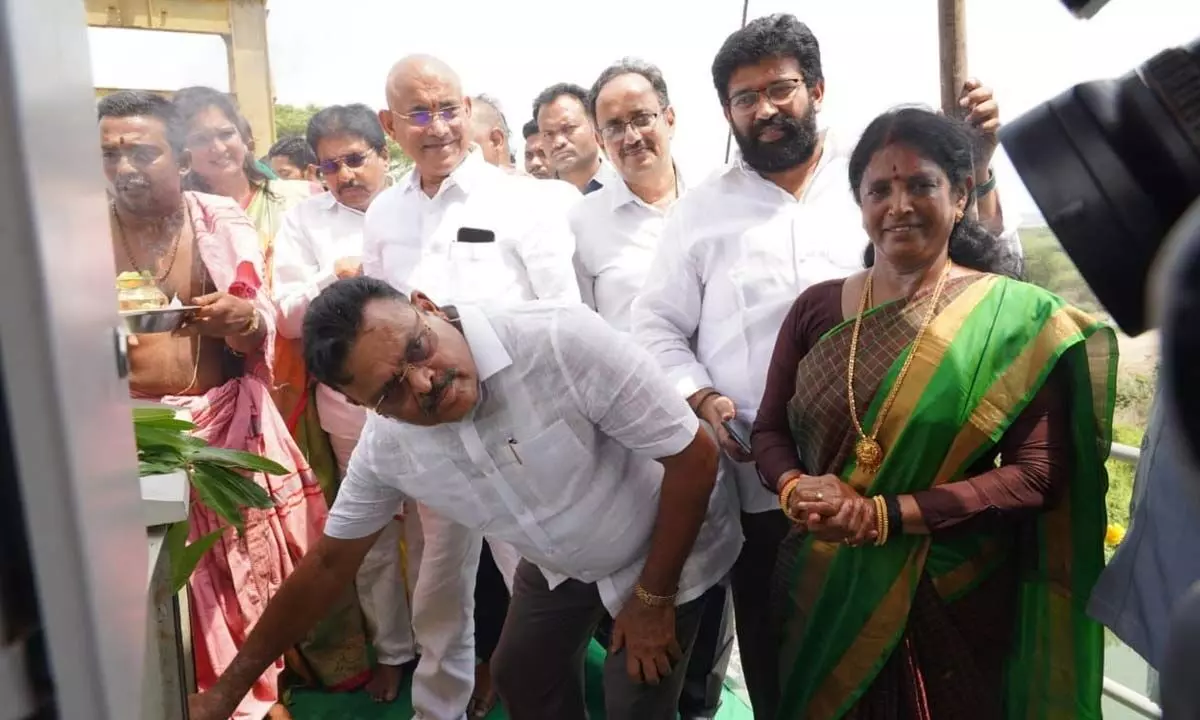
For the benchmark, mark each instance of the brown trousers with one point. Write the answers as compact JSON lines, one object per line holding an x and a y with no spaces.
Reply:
{"x":538,"y":665}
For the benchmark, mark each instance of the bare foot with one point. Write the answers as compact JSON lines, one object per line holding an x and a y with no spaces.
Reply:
{"x":278,"y":712}
{"x":484,"y":698}
{"x":385,"y":682}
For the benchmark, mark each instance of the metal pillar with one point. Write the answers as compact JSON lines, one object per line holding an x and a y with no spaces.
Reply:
{"x":70,"y":432}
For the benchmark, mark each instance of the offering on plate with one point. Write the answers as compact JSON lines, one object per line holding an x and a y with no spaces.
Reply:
{"x":138,"y":291}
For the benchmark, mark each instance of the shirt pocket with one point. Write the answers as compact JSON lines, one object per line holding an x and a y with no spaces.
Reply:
{"x":482,"y":272}
{"x":450,"y":492}
{"x":554,"y":461}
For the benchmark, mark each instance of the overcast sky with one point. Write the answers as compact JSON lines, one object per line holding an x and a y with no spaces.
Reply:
{"x":876,"y":53}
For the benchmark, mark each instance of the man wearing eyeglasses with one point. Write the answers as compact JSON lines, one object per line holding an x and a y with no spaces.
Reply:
{"x":470,"y":233}
{"x":320,"y":241}
{"x":617,"y":229}
{"x":569,"y":138}
{"x":542,"y":426}
{"x":734,"y":255}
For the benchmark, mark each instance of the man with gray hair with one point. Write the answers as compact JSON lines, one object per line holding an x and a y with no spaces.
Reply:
{"x":491,"y":131}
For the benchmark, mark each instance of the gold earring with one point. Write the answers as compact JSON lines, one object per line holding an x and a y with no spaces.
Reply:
{"x":958,"y":216}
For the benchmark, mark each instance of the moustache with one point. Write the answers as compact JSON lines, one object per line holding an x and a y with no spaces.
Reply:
{"x":132,"y":182}
{"x":780,"y":122}
{"x":430,"y":400}
{"x":638,"y":146}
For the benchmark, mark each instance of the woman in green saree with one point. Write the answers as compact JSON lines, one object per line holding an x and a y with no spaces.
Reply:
{"x":937,"y":432}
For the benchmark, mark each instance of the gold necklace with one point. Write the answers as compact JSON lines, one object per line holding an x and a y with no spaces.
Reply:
{"x":129,"y":251}
{"x":867,"y":450}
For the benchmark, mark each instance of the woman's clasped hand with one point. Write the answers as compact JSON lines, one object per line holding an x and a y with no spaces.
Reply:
{"x":832,"y":510}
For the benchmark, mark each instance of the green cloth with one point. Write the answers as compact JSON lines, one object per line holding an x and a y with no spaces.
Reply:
{"x":983,"y":359}
{"x":308,"y":705}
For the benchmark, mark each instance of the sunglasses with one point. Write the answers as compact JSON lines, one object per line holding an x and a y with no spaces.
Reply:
{"x":353,"y":160}
{"x":422,"y":118}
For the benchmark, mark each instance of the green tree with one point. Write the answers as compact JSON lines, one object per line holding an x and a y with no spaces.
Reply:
{"x":293,"y":120}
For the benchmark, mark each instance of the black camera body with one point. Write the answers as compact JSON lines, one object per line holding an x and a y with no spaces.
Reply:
{"x":1114,"y":167}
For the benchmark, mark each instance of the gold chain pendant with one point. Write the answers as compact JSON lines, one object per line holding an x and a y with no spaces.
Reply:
{"x":869,"y":454}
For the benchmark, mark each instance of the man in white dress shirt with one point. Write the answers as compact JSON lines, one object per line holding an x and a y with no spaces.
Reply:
{"x":491,"y":131}
{"x":473,"y":234}
{"x":319,"y":242}
{"x":544,"y":427}
{"x":736,"y":252}
{"x":616,"y":234}
{"x":569,"y":137}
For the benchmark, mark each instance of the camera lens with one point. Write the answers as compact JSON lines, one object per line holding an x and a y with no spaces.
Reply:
{"x":1112,"y":165}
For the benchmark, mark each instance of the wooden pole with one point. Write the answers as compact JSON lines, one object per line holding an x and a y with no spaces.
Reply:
{"x":952,"y":49}
{"x":729,"y":135}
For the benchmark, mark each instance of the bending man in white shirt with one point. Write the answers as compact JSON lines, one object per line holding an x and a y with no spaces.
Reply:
{"x":737,"y":250}
{"x":319,"y":242}
{"x":542,"y":426}
{"x":468,"y":232}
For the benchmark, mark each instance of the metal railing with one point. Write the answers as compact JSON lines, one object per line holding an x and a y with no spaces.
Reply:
{"x":1131,"y":699}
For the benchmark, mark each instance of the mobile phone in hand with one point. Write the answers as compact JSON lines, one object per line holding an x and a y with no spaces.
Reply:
{"x":739,"y":436}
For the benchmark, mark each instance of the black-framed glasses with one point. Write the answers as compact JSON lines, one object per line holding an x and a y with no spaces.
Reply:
{"x":642,"y":122}
{"x":422,"y":118}
{"x":777,"y":92}
{"x":353,"y":160}
{"x":420,"y":348}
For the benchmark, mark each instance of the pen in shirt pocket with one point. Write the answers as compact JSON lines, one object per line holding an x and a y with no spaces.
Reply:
{"x":512,"y":446}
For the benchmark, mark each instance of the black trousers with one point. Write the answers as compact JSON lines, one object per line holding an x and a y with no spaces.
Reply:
{"x":752,"y":577}
{"x":491,"y":605}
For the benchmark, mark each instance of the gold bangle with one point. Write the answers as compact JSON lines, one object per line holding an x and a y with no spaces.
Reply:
{"x":649,"y":599}
{"x":251,"y":326}
{"x":785,"y":494}
{"x":881,"y":520}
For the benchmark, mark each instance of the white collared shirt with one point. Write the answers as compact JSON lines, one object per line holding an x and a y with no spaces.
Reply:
{"x":557,"y":459}
{"x":410,"y":239}
{"x":736,"y":251}
{"x":616,"y":235}
{"x":312,"y":237}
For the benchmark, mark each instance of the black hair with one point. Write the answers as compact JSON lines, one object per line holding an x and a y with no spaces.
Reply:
{"x":556,"y":91}
{"x":332,"y":323}
{"x":627,"y":66}
{"x":295,"y":149}
{"x":950,"y":144}
{"x":530,"y":129}
{"x":356,"y":119}
{"x":141,"y":103}
{"x":774,"y":36}
{"x":189,"y":102}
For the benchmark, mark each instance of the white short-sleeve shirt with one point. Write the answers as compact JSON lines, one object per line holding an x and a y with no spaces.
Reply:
{"x":557,"y":459}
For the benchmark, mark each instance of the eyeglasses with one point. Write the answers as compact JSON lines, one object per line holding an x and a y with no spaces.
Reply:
{"x":422,"y":118}
{"x":418,"y":351}
{"x":777,"y":92}
{"x":642,"y":122}
{"x":353,"y":160}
